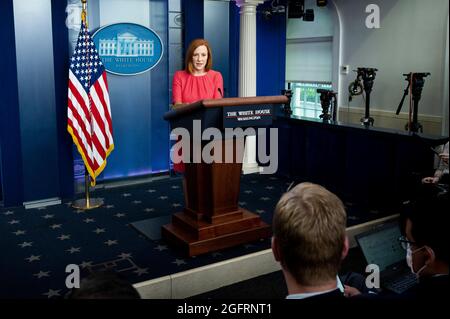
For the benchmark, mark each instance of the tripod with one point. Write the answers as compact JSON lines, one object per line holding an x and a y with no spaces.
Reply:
{"x":328,"y":99}
{"x":287,"y":107}
{"x":417,"y":80}
{"x":367,"y":76}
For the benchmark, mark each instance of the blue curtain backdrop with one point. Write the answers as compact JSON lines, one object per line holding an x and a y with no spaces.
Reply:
{"x":138,"y":102}
{"x":36,"y":158}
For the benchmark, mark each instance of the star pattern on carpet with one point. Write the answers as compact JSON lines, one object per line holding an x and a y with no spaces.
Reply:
{"x":110,"y":242}
{"x":99,"y":230}
{"x":161,"y":247}
{"x":44,"y":243}
{"x":42,"y":274}
{"x":26,"y":244}
{"x":73,"y":250}
{"x":52,"y":293}
{"x":124,"y":255}
{"x":179,"y":262}
{"x":33,"y":258}
{"x":86,"y":264}
{"x":141,"y":271}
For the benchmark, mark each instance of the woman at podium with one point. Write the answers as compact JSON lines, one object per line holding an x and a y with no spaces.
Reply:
{"x":197,"y":81}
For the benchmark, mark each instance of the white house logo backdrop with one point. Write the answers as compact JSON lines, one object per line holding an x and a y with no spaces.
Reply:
{"x":128,"y":48}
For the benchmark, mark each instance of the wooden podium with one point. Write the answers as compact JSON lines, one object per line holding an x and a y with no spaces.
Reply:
{"x":211,"y":219}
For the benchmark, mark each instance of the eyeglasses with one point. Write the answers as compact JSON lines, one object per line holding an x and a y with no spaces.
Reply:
{"x":405,"y":243}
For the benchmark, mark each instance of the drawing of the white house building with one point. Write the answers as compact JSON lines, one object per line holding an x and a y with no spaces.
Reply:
{"x":126,"y":45}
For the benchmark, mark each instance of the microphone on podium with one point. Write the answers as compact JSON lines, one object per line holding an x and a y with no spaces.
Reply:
{"x":220,"y":91}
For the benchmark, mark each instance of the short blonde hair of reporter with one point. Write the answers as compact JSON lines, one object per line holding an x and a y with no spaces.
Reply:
{"x":309,"y":224}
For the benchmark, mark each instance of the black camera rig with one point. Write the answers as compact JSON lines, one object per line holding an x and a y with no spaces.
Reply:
{"x":328,"y":100}
{"x":364,"y":81}
{"x":416,"y":81}
{"x":288,"y":93}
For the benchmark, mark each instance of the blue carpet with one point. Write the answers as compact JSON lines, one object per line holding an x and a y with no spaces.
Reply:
{"x":37,"y":244}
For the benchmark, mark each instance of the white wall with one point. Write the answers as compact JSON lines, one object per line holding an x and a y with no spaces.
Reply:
{"x":412,"y":38}
{"x":311,"y":45}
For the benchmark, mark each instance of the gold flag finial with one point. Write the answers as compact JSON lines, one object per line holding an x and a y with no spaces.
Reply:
{"x":84,"y":12}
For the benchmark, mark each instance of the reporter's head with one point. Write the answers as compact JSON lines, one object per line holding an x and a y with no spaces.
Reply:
{"x":309,"y":227}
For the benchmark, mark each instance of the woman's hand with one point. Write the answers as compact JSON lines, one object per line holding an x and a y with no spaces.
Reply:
{"x":430,"y":180}
{"x":351,"y":291}
{"x":177,"y":105}
{"x":444,"y":157}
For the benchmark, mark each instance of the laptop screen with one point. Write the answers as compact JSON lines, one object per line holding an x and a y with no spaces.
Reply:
{"x":380,"y":246}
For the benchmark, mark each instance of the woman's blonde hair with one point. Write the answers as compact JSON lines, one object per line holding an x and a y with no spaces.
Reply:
{"x":309,"y":224}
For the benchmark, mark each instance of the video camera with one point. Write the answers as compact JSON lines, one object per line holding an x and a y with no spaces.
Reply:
{"x":367,"y":77}
{"x":417,"y":76}
{"x":328,"y":100}
{"x":417,"y":80}
{"x":367,"y":74}
{"x":288,"y":93}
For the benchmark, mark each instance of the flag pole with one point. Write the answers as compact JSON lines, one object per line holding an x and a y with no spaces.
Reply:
{"x":84,"y":12}
{"x":88,"y":202}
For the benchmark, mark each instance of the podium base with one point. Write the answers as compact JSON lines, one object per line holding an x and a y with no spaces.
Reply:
{"x":83,"y":204}
{"x":198,"y":237}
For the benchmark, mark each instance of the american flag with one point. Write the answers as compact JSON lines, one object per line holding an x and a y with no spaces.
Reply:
{"x":89,"y":111}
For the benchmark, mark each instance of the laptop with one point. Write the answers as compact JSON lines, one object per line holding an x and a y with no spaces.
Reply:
{"x":381,"y":247}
